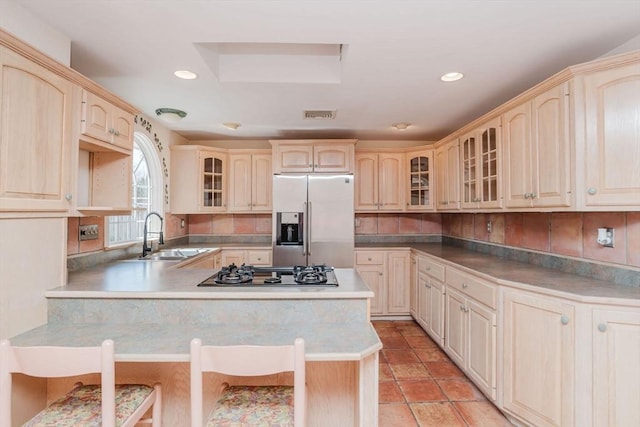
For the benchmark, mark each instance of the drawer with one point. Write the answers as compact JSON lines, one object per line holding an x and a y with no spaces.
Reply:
{"x":370,"y":257}
{"x":476,"y":288}
{"x":432,"y":268}
{"x":259,"y":257}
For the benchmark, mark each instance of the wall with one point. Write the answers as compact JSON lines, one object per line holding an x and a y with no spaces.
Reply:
{"x":569,"y":234}
{"x":18,"y":21}
{"x":398,"y":224}
{"x":230,"y":224}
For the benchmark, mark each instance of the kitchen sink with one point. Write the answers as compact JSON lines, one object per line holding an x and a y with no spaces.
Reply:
{"x":175,"y":254}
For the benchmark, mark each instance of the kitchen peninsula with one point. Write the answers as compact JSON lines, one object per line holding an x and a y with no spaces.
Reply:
{"x":152,"y":311}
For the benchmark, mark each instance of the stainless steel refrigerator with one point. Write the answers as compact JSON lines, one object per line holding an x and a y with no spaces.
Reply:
{"x":313,"y":220}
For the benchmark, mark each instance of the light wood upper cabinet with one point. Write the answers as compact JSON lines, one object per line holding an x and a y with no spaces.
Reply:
{"x":481,"y":163}
{"x":250,"y":182}
{"x":420,"y":180}
{"x":379,"y":182}
{"x":609,"y":109}
{"x":616,"y":367}
{"x":103,"y":121}
{"x":198,"y":179}
{"x":536,"y":151}
{"x":447,"y":168}
{"x":538,"y":359}
{"x":300,"y":156}
{"x":35,"y":137}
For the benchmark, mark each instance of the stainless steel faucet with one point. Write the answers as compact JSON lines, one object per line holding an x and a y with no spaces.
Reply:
{"x":146,"y":249}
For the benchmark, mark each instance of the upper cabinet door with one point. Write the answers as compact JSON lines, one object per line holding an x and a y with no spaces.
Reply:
{"x":105,"y":122}
{"x":420,"y":172}
{"x":611,"y":158}
{"x":518,"y":156}
{"x":293,"y":158}
{"x":333,"y":158}
{"x":480,"y":152}
{"x":391,"y":182}
{"x":35,"y":136}
{"x":240,"y":182}
{"x":261,"y":182}
{"x":313,"y":155}
{"x":447,"y":159}
{"x":366,"y":182}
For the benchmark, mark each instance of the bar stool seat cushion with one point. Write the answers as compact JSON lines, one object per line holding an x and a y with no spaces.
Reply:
{"x":253,"y":406}
{"x":82,"y":406}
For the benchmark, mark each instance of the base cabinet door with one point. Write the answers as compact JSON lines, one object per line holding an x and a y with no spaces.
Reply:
{"x":373,"y":276}
{"x":455,"y":327}
{"x":616,"y":368}
{"x":398,"y":282}
{"x":424,"y":303}
{"x":481,"y":341}
{"x":538,"y":359}
{"x":435,"y":317}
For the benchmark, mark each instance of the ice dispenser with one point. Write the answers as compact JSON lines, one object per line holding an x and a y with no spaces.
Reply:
{"x":289,"y":228}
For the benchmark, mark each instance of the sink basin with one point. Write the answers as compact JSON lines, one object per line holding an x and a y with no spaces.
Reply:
{"x":176,"y":254}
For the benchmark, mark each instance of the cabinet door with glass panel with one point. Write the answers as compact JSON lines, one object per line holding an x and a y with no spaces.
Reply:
{"x":480,"y":152}
{"x":420,"y":171}
{"x":213,"y":181}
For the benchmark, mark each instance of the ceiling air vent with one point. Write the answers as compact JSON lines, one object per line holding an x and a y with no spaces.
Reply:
{"x":320,"y":114}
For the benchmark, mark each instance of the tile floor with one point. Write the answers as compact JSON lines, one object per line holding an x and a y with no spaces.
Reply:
{"x":420,"y":386}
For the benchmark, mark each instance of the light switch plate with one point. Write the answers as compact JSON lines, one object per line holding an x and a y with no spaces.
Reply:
{"x":88,"y":232}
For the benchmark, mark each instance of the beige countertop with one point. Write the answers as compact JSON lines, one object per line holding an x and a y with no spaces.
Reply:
{"x":524,"y":276}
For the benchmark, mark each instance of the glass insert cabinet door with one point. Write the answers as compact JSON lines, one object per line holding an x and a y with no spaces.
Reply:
{"x":420,"y":168}
{"x":480,"y":160}
{"x":212,"y":176}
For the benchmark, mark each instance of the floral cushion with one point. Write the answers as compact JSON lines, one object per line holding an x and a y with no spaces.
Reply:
{"x":245,"y":406}
{"x":82,"y":406}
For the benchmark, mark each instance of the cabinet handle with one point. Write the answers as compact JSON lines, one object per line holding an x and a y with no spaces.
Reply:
{"x":564,"y":320}
{"x":592,"y":191}
{"x":426,"y":285}
{"x":116,"y":133}
{"x":526,"y":195}
{"x":466,"y":310}
{"x":428,"y":268}
{"x":112,"y":131}
{"x":533,"y":195}
{"x":368,"y":259}
{"x":379,"y":274}
{"x":68,"y":196}
{"x":602,"y":327}
{"x":461,"y":307}
{"x":464,"y":286}
{"x":315,"y":166}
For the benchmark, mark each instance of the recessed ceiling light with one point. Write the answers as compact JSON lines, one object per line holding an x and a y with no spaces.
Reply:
{"x":451,"y":77}
{"x":186,"y":74}
{"x":231,"y":125}
{"x":401,"y":126}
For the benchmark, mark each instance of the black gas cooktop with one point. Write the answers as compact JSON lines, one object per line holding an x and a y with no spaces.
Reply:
{"x":247,"y":275}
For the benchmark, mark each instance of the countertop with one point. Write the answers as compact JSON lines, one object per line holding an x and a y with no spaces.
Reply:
{"x":150,"y":342}
{"x":160,"y":279}
{"x":525,"y":276}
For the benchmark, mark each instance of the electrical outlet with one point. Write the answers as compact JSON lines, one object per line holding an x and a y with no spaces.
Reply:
{"x":88,"y":232}
{"x":489,"y":227}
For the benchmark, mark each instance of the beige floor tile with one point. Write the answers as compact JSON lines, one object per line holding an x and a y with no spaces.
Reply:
{"x":441,"y":414}
{"x":395,"y":415}
{"x":409,"y":371}
{"x":460,"y":390}
{"x":481,"y":414}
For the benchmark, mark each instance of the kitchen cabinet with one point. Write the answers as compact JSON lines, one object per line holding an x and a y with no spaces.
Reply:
{"x":471,"y":328}
{"x":536,"y":151}
{"x":300,"y":156}
{"x":431,"y":298}
{"x":250,"y":182}
{"x":607,"y":111}
{"x":379,"y":181}
{"x":420,"y":173}
{"x":538,"y":359}
{"x":36,"y":122}
{"x":255,"y":257}
{"x":206,"y":261}
{"x":447,"y":167}
{"x":616,"y":366}
{"x":103,"y":122}
{"x":198,"y":179}
{"x":481,"y":163}
{"x":413,"y":286}
{"x":103,"y":183}
{"x":387,"y":274}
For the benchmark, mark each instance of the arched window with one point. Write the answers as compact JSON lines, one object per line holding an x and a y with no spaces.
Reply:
{"x":146,"y":193}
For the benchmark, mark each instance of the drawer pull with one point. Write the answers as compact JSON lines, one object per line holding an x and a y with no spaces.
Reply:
{"x":564,"y":320}
{"x":602,"y":327}
{"x":369,"y":259}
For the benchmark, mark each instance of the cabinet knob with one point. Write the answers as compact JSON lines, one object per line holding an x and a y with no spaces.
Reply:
{"x":379,"y":274}
{"x":315,"y":166}
{"x":602,"y":327}
{"x":310,"y":165}
{"x":461,"y":307}
{"x":368,"y":259}
{"x":68,"y":196}
{"x":526,"y":195}
{"x":112,"y":131}
{"x":116,"y":133}
{"x":464,"y":286}
{"x":428,"y":268}
{"x":592,"y":191}
{"x":564,"y":320}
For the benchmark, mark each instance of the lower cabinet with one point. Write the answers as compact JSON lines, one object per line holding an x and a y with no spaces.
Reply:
{"x":387,"y":273}
{"x":616,"y":367}
{"x":255,"y":257}
{"x":538,"y":359}
{"x":431,"y":292}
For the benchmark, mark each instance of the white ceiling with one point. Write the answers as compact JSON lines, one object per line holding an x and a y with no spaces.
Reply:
{"x":387,"y":70}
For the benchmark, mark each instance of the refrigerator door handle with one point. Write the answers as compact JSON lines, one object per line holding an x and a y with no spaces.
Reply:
{"x":305,"y":228}
{"x":309,"y":229}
